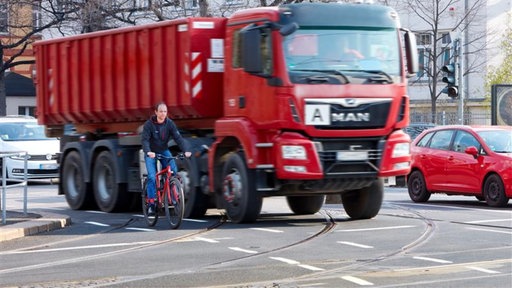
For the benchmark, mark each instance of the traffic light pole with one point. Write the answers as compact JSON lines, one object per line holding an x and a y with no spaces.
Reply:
{"x":459,"y":62}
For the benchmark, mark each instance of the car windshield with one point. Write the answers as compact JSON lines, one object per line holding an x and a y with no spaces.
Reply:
{"x":21,"y":131}
{"x":499,"y":141}
{"x":347,"y":51}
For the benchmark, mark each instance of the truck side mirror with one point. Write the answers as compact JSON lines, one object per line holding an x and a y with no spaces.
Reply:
{"x":251,"y":54}
{"x":411,"y":51}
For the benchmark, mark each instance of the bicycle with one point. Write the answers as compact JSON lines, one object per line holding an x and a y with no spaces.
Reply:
{"x":170,"y":197}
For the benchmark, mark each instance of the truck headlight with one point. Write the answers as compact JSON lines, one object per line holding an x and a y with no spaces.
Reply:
{"x":401,"y":149}
{"x":293,"y":152}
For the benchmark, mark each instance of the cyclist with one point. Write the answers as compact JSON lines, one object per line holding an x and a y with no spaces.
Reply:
{"x":156,"y":133}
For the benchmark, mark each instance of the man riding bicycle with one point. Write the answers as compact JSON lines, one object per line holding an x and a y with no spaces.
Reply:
{"x":156,"y":133}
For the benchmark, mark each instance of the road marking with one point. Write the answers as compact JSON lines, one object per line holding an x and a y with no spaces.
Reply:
{"x":96,"y":212}
{"x":374,"y":229}
{"x":286,"y":260}
{"x":489,"y":230}
{"x":96,"y":223}
{"x":309,"y":267}
{"x":355,"y":244}
{"x":195,"y":220}
{"x":293,"y":262}
{"x":83,"y":247}
{"x":457,"y":208}
{"x":356,"y":280}
{"x":206,"y":240}
{"x":141,"y":229}
{"x":268,"y":230}
{"x":243,"y":250}
{"x":487,"y":221}
{"x":482,"y":270}
{"x":432,"y":259}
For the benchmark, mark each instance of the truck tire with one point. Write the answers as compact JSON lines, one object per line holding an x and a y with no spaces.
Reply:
{"x":242,"y":203}
{"x":303,"y":205}
{"x":76,"y":191}
{"x":196,"y":203}
{"x":364,"y":203}
{"x":106,"y":189}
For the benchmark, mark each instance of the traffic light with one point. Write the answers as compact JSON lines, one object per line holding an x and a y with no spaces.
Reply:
{"x":450,"y":78}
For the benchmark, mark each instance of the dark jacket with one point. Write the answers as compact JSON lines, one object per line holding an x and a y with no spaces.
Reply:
{"x":155,"y":136}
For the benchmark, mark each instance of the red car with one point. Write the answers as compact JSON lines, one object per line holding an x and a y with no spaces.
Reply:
{"x":462,"y":160}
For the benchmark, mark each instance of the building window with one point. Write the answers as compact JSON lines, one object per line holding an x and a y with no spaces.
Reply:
{"x":424,"y":62}
{"x":424,"y":39}
{"x":425,"y":43}
{"x":190,"y":4}
{"x":4,"y":17}
{"x":27,"y":110}
{"x":445,"y":38}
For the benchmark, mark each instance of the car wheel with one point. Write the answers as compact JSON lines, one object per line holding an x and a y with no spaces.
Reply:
{"x":494,"y":191}
{"x":417,"y":187}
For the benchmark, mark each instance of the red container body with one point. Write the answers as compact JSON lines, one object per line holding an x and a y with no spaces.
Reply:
{"x":110,"y":80}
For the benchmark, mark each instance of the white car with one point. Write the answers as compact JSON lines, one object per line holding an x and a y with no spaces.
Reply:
{"x":23,"y":134}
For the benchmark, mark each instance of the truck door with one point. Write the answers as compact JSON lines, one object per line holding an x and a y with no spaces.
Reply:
{"x":249,"y":81}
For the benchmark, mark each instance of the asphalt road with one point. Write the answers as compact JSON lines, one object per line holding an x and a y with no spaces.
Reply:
{"x":447,"y":242}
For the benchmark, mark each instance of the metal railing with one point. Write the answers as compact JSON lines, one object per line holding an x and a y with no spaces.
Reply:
{"x":21,"y":182}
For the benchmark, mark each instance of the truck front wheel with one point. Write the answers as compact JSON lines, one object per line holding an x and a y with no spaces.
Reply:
{"x":239,"y":191}
{"x":303,"y":205}
{"x":364,"y":203}
{"x":76,"y":190}
{"x":106,"y":190}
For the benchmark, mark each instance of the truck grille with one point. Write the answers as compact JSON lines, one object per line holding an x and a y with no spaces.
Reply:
{"x":363,"y":168}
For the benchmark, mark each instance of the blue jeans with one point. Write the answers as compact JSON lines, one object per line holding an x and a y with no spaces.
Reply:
{"x":151,"y":168}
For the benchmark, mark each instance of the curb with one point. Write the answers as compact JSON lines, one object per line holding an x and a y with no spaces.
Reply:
{"x":47,"y":222}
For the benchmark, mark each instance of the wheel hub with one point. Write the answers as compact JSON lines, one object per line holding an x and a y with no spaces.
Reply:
{"x":232,"y":187}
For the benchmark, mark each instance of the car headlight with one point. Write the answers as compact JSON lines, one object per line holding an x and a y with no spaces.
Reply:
{"x":401,"y":149}
{"x":293,"y":152}
{"x":19,"y":157}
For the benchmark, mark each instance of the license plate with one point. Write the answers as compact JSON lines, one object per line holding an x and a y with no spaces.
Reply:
{"x":48,"y":166}
{"x":352,"y":155}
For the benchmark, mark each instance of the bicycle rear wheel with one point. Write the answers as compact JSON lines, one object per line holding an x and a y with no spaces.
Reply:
{"x":150,"y":219}
{"x":174,"y":203}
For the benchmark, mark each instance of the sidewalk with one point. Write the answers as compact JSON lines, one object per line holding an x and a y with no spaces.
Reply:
{"x":19,"y":224}
{"x":40,"y":196}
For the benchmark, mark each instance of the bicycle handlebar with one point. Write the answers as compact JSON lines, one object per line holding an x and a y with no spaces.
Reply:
{"x":180,"y":156}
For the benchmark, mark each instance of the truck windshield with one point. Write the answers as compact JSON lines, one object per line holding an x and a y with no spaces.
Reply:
{"x":355,"y":53}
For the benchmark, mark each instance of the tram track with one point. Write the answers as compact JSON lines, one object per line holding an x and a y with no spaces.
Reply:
{"x":329,"y":221}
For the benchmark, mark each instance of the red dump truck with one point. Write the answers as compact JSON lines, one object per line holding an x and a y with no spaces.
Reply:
{"x":275,"y":101}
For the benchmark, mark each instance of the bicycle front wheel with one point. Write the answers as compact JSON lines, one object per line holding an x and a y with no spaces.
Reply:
{"x":174,"y":203}
{"x":150,"y":219}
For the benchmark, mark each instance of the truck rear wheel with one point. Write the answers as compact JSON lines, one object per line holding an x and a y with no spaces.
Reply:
{"x":106,"y":189}
{"x":242,"y":203}
{"x":364,"y":203}
{"x":75,"y":189}
{"x":303,"y":205}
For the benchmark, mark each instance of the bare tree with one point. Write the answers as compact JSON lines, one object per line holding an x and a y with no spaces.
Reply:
{"x":22,"y":24}
{"x":437,"y":22}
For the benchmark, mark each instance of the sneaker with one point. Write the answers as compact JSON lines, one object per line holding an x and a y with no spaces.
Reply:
{"x":151,"y":209}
